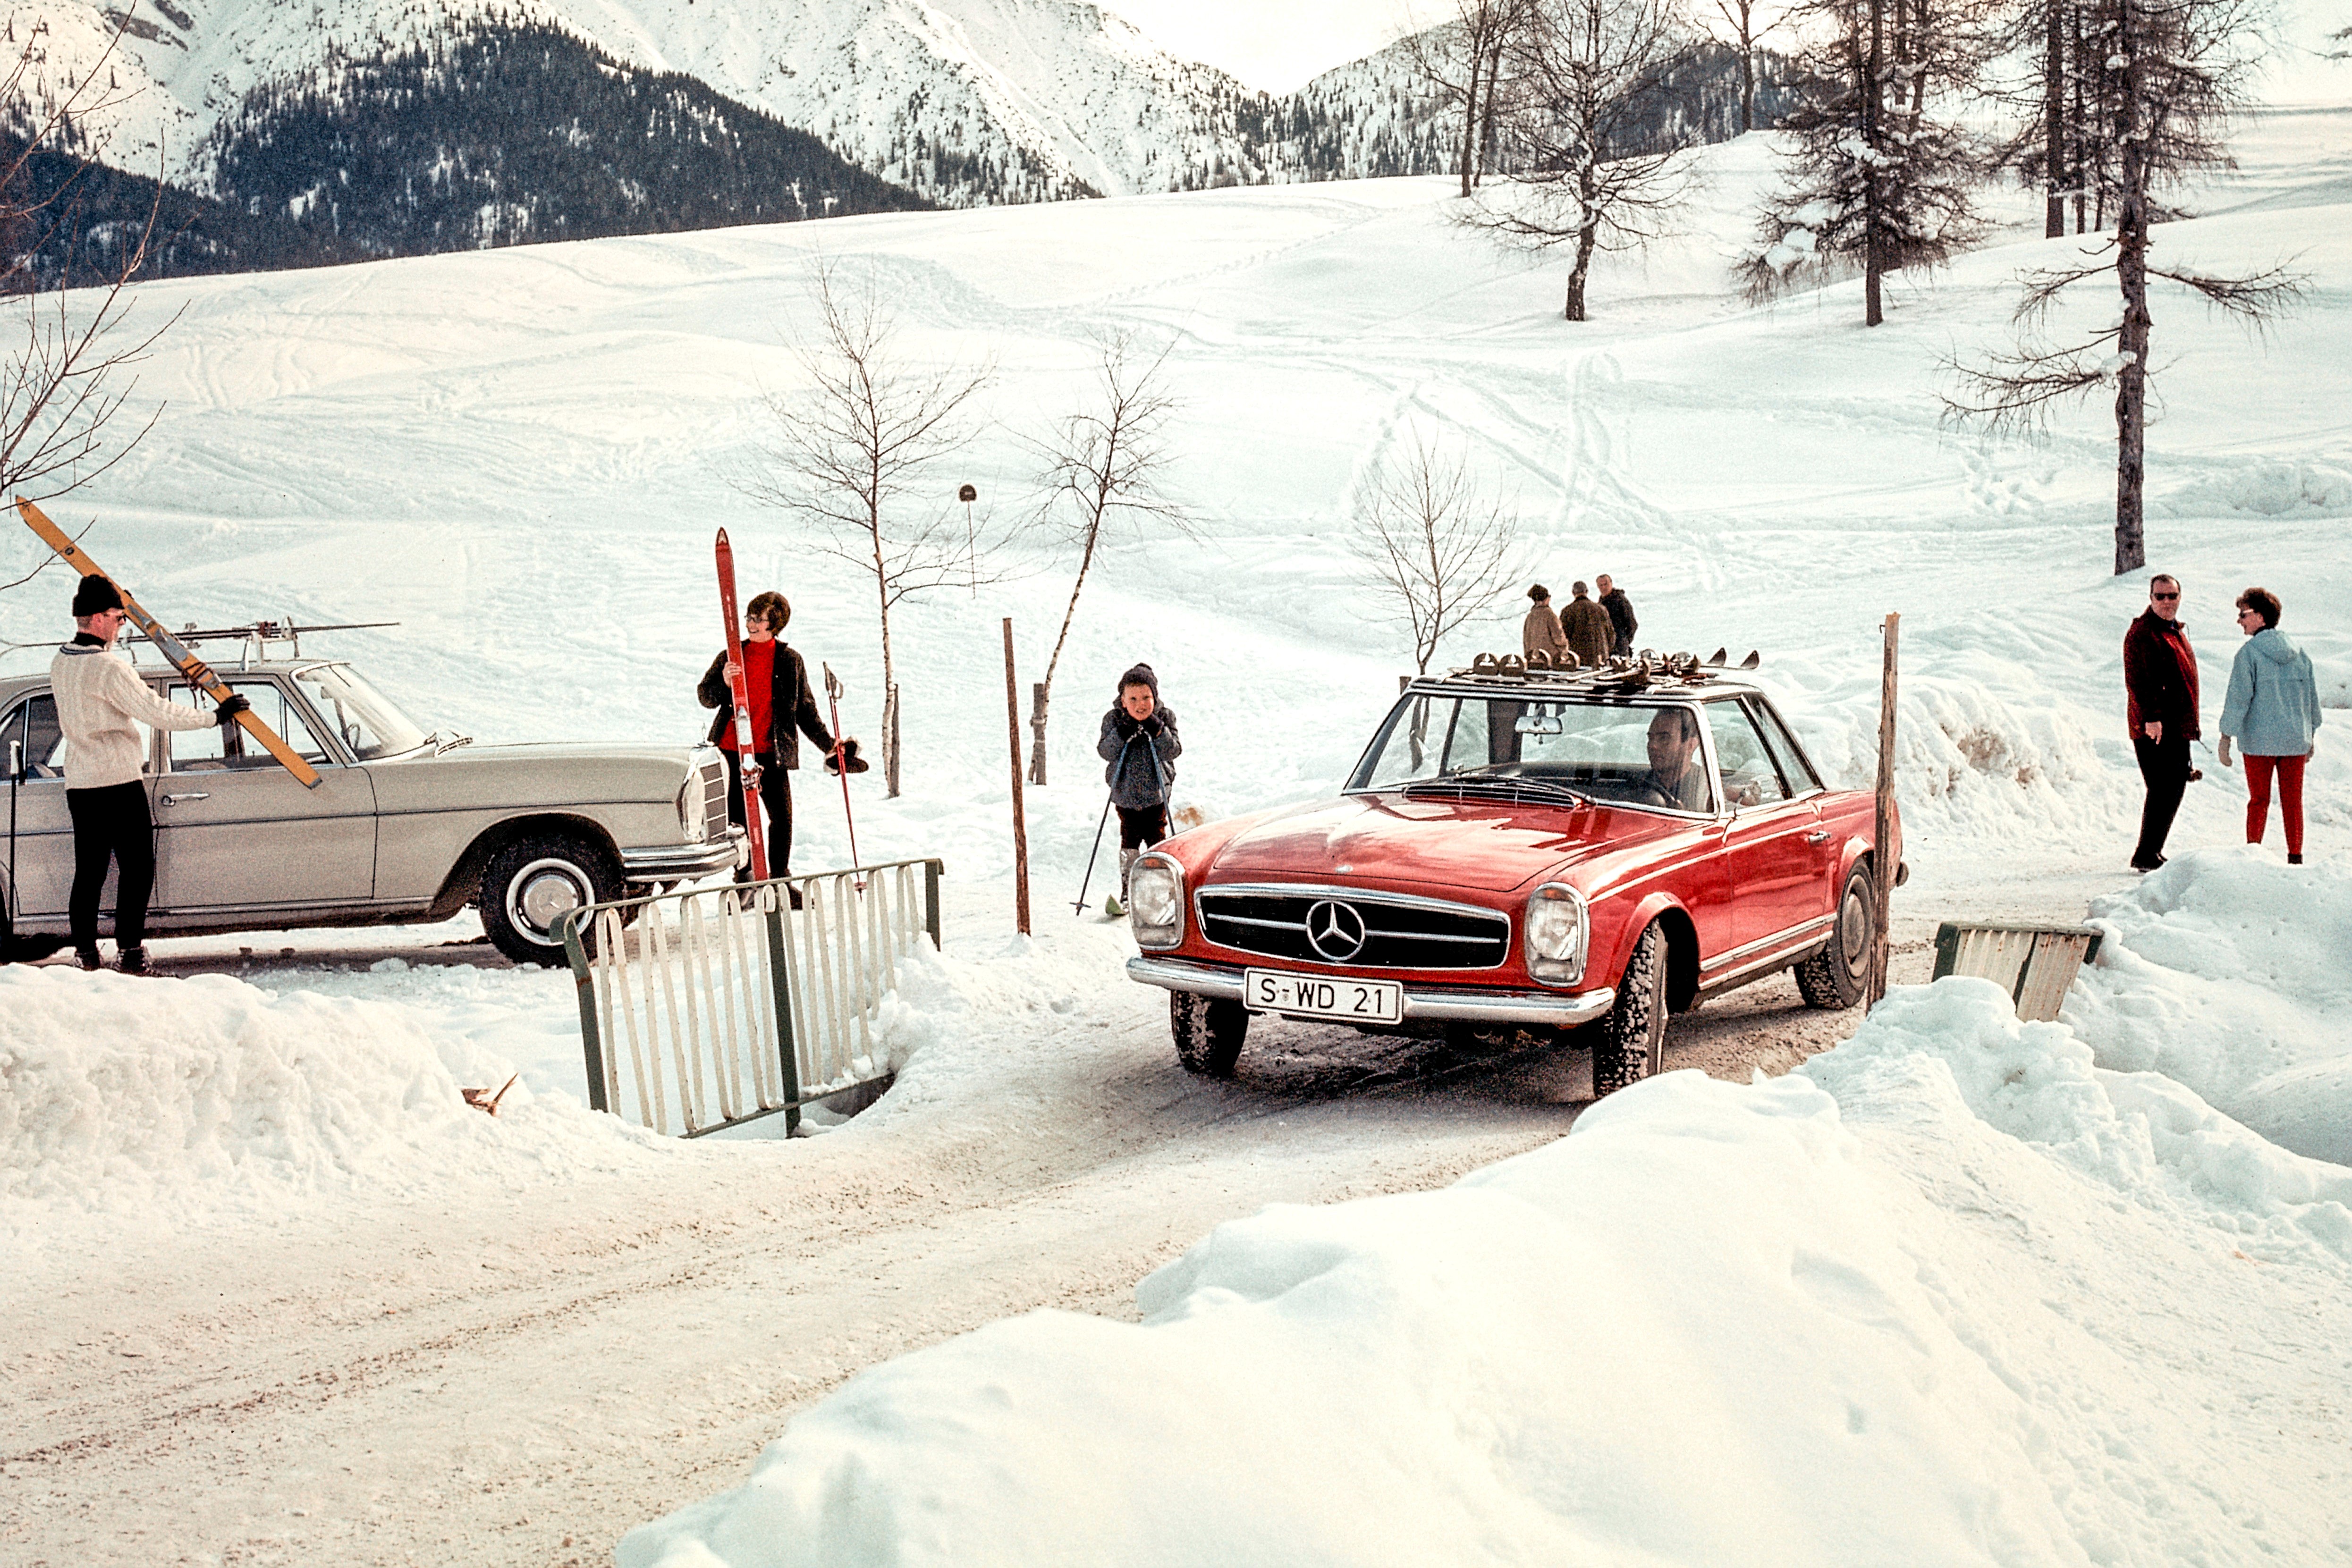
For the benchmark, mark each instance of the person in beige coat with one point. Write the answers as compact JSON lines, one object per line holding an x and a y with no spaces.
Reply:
{"x":101,"y":702}
{"x":1590,"y":633}
{"x":1540,"y":633}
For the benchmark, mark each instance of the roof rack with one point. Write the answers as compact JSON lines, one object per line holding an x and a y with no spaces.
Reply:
{"x":1621,"y":673}
{"x":258,"y":637}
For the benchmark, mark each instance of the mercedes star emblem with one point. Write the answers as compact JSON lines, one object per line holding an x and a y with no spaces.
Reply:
{"x":1335,"y":930}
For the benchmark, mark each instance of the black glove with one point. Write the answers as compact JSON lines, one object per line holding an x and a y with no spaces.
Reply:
{"x":1126,"y":725}
{"x":1155,"y":725}
{"x":231,"y":705}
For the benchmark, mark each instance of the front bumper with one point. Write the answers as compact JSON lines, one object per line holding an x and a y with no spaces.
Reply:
{"x":684,"y":862}
{"x":1537,"y":1010}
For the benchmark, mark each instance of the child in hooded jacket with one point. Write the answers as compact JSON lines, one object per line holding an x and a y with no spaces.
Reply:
{"x":1139,"y":743}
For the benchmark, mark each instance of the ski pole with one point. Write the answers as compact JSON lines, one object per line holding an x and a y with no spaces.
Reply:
{"x":1080,"y":906}
{"x":841,"y":765}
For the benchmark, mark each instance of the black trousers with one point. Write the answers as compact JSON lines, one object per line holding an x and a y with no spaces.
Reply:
{"x":1143,"y":827}
{"x":776,"y":796}
{"x":2164,"y":767}
{"x":111,"y":824}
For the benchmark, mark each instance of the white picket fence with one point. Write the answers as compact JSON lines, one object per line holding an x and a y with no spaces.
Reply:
{"x":713,"y":1007}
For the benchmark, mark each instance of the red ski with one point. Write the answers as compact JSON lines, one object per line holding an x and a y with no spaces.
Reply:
{"x":754,"y":825}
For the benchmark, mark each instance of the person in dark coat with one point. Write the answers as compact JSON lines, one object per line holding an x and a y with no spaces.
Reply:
{"x":1139,"y":743}
{"x":1621,"y":623}
{"x":2161,"y":686}
{"x":783,"y":709}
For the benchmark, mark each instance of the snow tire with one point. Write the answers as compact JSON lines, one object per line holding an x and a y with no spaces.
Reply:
{"x":1835,"y":978}
{"x":530,"y":882}
{"x":1209,"y":1032}
{"x":1632,"y":1040}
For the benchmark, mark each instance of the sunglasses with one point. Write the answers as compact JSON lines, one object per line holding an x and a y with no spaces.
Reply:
{"x":2164,"y":596}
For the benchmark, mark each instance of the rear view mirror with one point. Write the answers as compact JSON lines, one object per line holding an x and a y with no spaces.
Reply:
{"x":1538,"y":724}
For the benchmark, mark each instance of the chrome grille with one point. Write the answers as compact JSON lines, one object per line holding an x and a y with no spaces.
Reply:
{"x":1398,"y":932}
{"x":714,"y":800}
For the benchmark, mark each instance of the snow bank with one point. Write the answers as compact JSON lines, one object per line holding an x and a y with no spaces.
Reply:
{"x":178,"y":1100}
{"x":1709,"y":1326}
{"x":2150,"y":1138}
{"x":2230,"y":972}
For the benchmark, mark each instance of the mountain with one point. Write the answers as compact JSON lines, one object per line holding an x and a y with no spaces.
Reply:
{"x":961,"y":101}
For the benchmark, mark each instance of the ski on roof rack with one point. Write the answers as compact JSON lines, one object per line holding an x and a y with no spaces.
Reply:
{"x":1621,"y":672}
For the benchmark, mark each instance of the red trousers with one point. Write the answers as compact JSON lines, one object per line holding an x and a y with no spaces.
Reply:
{"x":2258,"y":798}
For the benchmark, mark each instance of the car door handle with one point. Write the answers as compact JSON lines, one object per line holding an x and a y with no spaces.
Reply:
{"x":1817,"y":836}
{"x":192,"y":795}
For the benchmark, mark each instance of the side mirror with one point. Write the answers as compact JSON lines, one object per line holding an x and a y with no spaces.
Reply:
{"x":15,"y":762}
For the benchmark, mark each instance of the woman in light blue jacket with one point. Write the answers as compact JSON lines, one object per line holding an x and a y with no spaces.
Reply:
{"x":2271,"y":712}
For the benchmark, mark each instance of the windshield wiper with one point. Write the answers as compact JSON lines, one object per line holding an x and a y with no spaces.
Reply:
{"x":441,"y":743}
{"x":1489,"y":786}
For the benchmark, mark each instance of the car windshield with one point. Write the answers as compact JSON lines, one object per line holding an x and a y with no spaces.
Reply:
{"x":1559,"y":750}
{"x":366,"y":718}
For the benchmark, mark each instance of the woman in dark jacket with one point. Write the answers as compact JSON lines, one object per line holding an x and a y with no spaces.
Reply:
{"x":782,"y":710}
{"x":1139,"y":741}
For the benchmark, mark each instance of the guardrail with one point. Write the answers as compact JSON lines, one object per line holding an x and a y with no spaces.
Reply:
{"x":720,"y":1005}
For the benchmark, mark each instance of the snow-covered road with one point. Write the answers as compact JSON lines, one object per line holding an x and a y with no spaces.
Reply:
{"x":500,"y":1377}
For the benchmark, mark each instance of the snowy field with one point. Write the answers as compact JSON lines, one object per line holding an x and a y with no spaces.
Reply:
{"x":2075,"y":1293}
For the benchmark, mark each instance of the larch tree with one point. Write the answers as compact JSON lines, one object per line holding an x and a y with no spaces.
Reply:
{"x":1102,"y":472}
{"x":1462,"y":56}
{"x":1595,"y":176}
{"x":1746,"y":22}
{"x":853,"y":453}
{"x":2172,"y":71}
{"x":1878,"y":179}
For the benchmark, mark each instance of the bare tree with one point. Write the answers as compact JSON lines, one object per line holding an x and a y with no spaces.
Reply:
{"x":62,"y":385}
{"x":1438,"y":545}
{"x":2175,"y":69}
{"x":1748,"y":31}
{"x":1462,"y":56}
{"x":1102,"y":471}
{"x":851,"y":453}
{"x":1596,"y":178}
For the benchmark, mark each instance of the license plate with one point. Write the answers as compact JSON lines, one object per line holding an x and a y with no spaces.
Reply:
{"x":1311,"y":996}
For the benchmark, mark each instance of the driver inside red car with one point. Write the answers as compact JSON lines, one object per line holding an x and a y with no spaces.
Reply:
{"x":1677,"y":775}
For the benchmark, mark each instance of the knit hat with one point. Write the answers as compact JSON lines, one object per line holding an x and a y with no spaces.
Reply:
{"x":1141,"y":675}
{"x":95,"y":594}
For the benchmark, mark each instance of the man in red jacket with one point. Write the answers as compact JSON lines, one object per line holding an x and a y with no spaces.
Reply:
{"x":2161,"y":680}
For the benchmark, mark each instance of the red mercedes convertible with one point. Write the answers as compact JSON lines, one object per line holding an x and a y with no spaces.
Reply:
{"x":1521,"y":847}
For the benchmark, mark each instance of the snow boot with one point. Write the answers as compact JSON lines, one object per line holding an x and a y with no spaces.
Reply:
{"x":131,"y":960}
{"x":87,"y":958}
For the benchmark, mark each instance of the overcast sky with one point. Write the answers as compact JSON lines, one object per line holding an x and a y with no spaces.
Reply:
{"x":1273,"y":45}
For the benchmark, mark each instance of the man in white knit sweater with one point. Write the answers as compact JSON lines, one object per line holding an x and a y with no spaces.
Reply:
{"x":101,"y":702}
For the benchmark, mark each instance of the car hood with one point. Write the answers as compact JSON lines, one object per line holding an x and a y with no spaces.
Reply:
{"x":1492,"y":847}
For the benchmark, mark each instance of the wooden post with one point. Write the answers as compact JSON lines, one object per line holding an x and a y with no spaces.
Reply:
{"x":1883,"y":857}
{"x":1020,"y":821}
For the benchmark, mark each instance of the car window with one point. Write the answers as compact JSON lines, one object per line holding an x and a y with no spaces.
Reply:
{"x":1783,"y":746}
{"x":34,"y":723}
{"x":229,"y":747}
{"x":1749,"y":777}
{"x":1598,"y":748}
{"x":370,"y":725}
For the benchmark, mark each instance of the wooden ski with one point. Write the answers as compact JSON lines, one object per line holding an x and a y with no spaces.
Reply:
{"x":739,"y":689}
{"x":199,"y":673}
